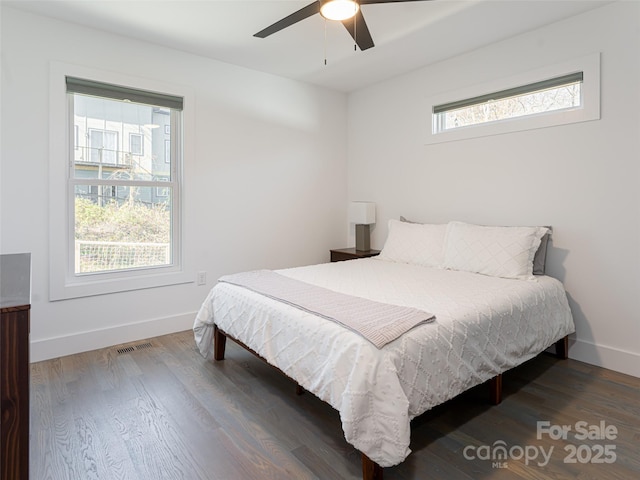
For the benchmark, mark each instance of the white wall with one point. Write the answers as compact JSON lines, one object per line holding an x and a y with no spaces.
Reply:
{"x":271,"y":153}
{"x":583,"y":179}
{"x":269,"y":176}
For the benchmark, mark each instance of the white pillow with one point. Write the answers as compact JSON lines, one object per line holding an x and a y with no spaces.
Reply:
{"x":497,"y":251}
{"x":417,"y":243}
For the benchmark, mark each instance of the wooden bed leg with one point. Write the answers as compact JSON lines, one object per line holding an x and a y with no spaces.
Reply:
{"x":370,"y":469}
{"x":562,"y":348}
{"x":495,"y":389}
{"x":219,"y":342}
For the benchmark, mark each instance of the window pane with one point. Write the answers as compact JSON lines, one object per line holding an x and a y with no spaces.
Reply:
{"x":120,"y":139}
{"x":136,"y":144}
{"x":119,"y":228}
{"x":564,"y":97}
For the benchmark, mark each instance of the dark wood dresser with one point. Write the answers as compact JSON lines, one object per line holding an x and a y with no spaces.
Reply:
{"x":15,"y":305}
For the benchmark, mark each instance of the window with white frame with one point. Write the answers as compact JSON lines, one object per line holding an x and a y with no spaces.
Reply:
{"x":136,"y":144}
{"x":558,"y":94}
{"x":103,"y":146}
{"x":118,"y":222}
{"x":113,"y":201}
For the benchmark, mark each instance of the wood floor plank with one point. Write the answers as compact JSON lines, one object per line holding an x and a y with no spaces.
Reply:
{"x":317,"y":464}
{"x":161,"y":411}
{"x":245,"y":408}
{"x":98,"y":415}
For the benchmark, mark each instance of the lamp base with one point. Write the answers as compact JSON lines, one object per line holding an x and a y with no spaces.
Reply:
{"x":363,"y":238}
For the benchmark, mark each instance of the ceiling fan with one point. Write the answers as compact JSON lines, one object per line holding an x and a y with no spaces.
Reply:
{"x":346,"y":11}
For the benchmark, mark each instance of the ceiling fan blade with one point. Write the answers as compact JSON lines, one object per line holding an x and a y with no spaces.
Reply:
{"x":289,"y":20}
{"x":360,"y":33}
{"x":370,"y":2}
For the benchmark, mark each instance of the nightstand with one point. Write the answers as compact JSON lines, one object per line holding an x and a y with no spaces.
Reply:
{"x":340,"y":254}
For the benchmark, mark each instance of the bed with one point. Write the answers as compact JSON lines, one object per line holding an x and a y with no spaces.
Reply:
{"x":490,"y":313}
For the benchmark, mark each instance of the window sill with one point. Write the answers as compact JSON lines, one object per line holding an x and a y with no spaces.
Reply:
{"x":120,"y":282}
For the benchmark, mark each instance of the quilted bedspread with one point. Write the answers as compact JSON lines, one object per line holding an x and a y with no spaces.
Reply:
{"x":484,"y":326}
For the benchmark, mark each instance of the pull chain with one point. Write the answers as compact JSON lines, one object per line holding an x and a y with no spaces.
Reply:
{"x":325,"y":41}
{"x":355,"y":32}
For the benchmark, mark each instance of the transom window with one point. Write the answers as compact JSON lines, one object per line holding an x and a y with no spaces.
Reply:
{"x":552,"y":95}
{"x":549,"y":96}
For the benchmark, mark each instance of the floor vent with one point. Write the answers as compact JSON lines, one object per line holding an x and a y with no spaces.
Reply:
{"x":141,"y":346}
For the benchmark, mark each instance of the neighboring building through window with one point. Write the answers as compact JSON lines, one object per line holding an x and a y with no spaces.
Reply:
{"x":123,"y":198}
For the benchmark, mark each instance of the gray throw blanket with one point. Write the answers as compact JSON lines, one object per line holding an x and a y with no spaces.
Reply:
{"x":380,"y":323}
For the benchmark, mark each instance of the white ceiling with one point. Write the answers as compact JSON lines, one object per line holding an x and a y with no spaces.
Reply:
{"x":407,"y":35}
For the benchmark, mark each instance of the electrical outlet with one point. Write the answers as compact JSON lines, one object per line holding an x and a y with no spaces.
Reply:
{"x":202,"y":278}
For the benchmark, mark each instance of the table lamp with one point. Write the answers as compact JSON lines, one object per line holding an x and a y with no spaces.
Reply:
{"x":362,"y":214}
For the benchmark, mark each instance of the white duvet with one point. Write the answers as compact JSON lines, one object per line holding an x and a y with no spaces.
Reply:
{"x":484,"y":326}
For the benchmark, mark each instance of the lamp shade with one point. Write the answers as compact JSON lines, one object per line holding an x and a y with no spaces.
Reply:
{"x":362,"y":213}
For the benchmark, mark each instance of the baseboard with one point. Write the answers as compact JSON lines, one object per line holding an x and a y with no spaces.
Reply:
{"x":605,"y":357}
{"x":599,"y":355}
{"x":106,"y":337}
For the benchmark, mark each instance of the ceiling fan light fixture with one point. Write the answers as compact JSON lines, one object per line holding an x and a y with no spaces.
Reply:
{"x":339,"y":9}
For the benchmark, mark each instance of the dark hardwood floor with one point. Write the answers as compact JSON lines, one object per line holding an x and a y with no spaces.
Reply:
{"x":158,"y":410}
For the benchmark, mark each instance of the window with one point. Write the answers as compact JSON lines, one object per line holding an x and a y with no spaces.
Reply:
{"x":99,"y":211}
{"x":136,"y":144}
{"x":162,"y":192}
{"x":560,"y":94}
{"x":118,"y":221}
{"x":103,"y":146}
{"x":167,"y":151}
